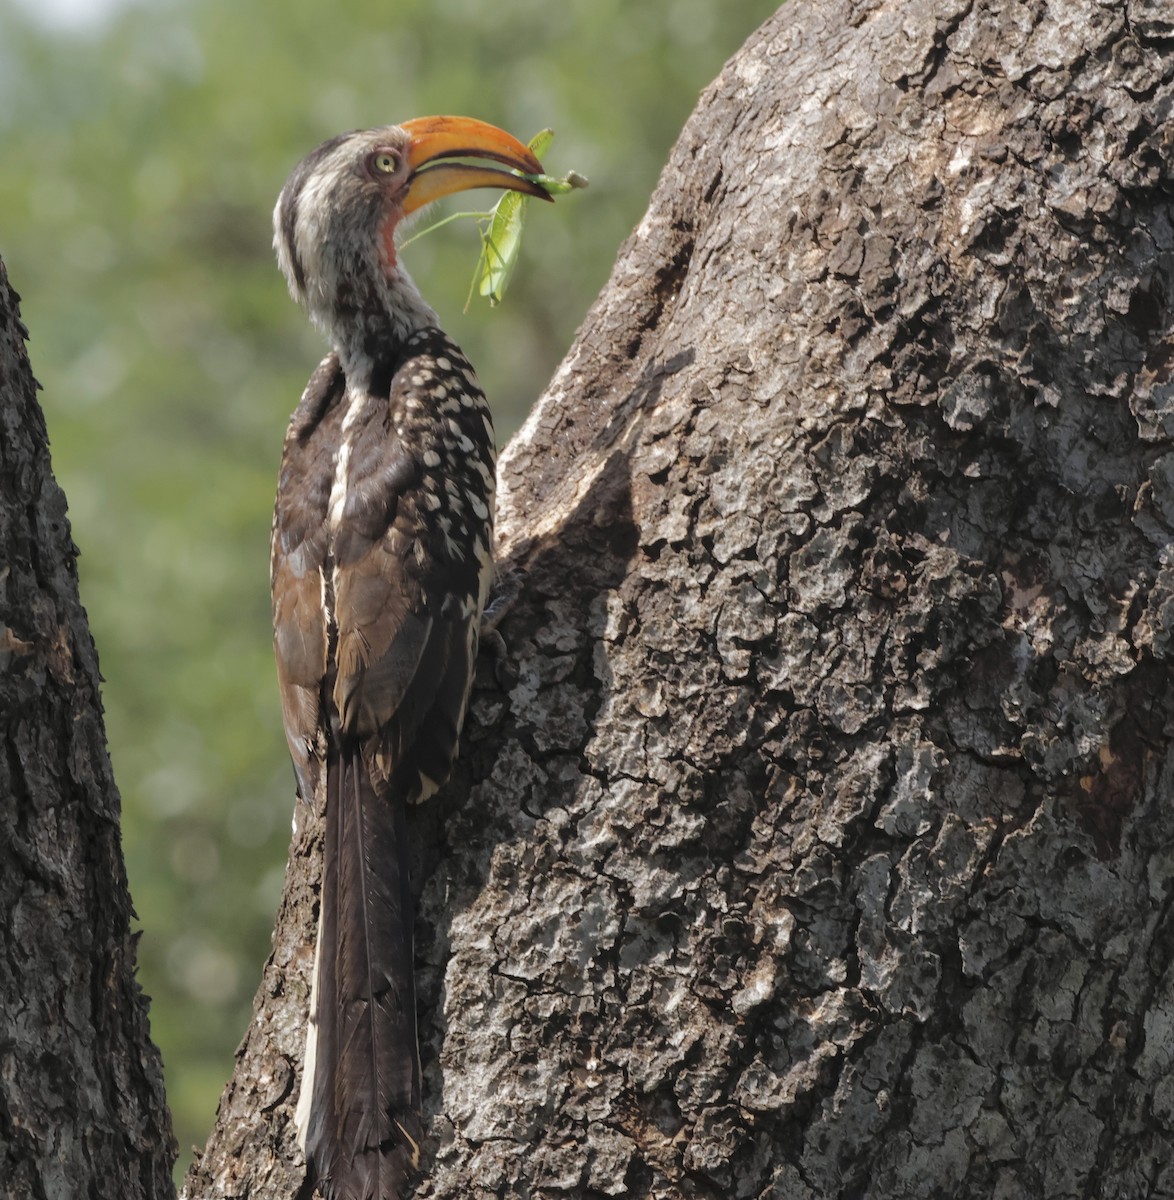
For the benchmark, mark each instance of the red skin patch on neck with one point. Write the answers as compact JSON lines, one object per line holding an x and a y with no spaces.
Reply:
{"x":387,"y":242}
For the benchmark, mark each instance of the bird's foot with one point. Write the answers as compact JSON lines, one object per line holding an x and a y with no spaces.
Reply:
{"x":507,"y":587}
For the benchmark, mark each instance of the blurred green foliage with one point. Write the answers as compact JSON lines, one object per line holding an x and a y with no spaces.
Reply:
{"x":141,"y":159}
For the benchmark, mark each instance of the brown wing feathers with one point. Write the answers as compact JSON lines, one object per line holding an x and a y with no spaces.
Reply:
{"x":376,"y":604}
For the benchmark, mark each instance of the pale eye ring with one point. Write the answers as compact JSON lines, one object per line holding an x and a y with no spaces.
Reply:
{"x":384,"y":162}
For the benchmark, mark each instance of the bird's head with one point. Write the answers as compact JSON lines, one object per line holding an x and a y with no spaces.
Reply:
{"x":336,"y":219}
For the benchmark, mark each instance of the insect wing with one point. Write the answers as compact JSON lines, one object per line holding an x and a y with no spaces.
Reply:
{"x":502,"y":245}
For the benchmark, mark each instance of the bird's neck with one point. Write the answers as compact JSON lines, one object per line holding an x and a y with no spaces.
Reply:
{"x":368,"y":320}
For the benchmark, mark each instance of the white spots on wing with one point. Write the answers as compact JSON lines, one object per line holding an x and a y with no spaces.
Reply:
{"x":453,"y":549}
{"x":438,"y":412}
{"x":486,"y":475}
{"x":456,"y":497}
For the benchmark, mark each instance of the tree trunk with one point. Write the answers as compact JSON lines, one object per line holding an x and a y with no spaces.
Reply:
{"x":82,"y":1111}
{"x":821,"y":845}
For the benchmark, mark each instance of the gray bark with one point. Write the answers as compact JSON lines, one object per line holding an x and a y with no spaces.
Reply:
{"x":82,"y":1111}
{"x":821,"y":846}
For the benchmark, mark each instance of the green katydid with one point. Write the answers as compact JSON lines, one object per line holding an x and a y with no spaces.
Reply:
{"x":501,"y":227}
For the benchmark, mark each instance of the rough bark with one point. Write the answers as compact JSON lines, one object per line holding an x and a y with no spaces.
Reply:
{"x":81,"y":1086}
{"x":821,"y":845}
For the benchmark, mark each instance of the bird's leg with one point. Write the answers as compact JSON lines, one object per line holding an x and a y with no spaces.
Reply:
{"x":507,"y":587}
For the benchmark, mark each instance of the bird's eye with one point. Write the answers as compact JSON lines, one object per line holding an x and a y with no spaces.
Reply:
{"x":384,"y":162}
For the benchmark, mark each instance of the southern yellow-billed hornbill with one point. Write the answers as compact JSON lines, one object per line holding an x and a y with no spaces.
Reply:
{"x":380,"y":570}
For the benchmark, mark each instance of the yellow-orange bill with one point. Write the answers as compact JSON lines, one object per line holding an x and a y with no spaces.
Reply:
{"x":437,"y":138}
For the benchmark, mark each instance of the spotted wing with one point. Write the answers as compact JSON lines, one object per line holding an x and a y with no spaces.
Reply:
{"x":298,"y":556}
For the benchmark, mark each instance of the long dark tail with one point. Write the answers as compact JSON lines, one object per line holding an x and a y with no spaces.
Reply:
{"x":359,"y":1112}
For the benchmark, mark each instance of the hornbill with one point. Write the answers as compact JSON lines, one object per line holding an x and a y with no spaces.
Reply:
{"x":380,"y":569}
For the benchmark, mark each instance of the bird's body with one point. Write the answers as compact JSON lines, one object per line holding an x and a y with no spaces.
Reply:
{"x":381,"y":565}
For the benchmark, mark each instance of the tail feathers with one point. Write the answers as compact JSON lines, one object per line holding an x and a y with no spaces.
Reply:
{"x":359,"y":1111}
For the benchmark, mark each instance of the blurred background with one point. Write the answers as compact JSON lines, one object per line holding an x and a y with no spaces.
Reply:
{"x":142,"y":146}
